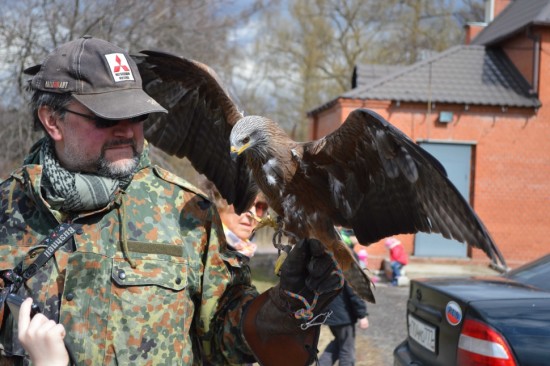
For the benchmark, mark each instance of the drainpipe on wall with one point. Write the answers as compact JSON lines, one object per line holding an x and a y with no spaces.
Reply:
{"x":489,"y":11}
{"x":536,"y":60}
{"x":429,"y":111}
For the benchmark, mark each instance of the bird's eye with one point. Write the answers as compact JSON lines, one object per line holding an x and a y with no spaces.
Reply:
{"x":246,"y":140}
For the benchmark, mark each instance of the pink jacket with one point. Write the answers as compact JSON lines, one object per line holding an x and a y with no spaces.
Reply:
{"x":398,"y":254}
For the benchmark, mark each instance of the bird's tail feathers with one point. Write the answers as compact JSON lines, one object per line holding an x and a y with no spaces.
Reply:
{"x":360,"y":282}
{"x":343,"y":254}
{"x":357,"y":278}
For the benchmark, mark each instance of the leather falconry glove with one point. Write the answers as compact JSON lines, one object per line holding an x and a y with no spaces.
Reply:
{"x":282,"y":325}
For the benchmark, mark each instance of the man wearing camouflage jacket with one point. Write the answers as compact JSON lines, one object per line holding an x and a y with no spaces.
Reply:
{"x":145,"y":277}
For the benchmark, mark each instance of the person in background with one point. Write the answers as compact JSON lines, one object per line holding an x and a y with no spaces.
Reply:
{"x":349,"y":238}
{"x":347,"y":308}
{"x":137,"y":270}
{"x":363,"y":257}
{"x":239,"y":229}
{"x":398,"y":258}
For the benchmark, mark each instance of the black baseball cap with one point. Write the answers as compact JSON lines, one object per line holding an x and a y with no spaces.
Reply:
{"x":98,"y":74}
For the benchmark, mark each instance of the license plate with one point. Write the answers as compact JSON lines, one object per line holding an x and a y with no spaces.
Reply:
{"x":422,"y":333}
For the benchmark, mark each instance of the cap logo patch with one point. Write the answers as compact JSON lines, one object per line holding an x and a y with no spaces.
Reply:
{"x":120,"y":69}
{"x":55,"y":84}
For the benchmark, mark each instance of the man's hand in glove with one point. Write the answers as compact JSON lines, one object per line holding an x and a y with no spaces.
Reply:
{"x":282,"y":325}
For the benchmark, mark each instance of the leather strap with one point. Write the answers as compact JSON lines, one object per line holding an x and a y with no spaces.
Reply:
{"x":298,"y":348}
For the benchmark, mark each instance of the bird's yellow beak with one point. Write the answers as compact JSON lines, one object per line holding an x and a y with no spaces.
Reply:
{"x":239,"y":151}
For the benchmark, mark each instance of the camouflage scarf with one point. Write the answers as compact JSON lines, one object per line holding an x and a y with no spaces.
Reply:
{"x":69,"y":191}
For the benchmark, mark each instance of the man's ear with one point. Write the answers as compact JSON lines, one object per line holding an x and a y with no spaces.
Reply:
{"x":50,"y":121}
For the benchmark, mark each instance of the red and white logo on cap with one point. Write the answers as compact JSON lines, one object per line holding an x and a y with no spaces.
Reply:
{"x":119,"y":67}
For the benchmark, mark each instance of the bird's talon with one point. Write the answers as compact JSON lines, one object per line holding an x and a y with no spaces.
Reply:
{"x":267,"y":221}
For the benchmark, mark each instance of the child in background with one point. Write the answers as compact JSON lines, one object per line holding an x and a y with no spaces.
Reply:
{"x":398,"y":258}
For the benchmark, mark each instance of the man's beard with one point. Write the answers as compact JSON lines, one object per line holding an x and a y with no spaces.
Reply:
{"x":117,"y":169}
{"x":120,"y":168}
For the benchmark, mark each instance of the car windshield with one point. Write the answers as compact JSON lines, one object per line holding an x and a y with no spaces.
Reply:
{"x":536,"y":274}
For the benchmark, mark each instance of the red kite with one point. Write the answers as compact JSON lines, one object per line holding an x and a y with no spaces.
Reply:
{"x":367,"y":175}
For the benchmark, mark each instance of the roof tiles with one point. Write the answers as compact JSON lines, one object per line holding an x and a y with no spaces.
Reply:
{"x":514,"y":18}
{"x":462,"y":74}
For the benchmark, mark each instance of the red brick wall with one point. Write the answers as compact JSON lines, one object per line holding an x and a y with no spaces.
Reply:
{"x":324,"y":122}
{"x":520,"y":51}
{"x":499,"y":6}
{"x":544,"y":75}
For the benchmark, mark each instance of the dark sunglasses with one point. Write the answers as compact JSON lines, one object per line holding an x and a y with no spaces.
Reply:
{"x":104,"y":122}
{"x":261,"y":208}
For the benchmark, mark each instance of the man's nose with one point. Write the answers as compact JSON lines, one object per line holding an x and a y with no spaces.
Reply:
{"x":124,"y":129}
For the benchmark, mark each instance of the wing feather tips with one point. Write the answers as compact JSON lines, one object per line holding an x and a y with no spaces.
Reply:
{"x":453,"y":217}
{"x":245,"y":191}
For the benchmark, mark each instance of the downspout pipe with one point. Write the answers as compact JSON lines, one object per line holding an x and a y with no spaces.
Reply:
{"x":536,"y":60}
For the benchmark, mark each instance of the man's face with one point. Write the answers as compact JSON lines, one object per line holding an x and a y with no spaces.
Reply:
{"x":111,"y":151}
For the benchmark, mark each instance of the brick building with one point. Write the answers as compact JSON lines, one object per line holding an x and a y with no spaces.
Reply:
{"x":483,"y":109}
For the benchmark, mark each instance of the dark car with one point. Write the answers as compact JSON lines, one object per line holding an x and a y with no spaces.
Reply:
{"x":497,"y":320}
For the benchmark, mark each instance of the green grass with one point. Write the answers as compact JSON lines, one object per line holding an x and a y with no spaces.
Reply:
{"x":263,"y":280}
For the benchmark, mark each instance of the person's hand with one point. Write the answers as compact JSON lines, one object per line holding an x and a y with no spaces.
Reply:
{"x":310,"y":277}
{"x":42,"y":338}
{"x":282,"y":325}
{"x":364,"y":323}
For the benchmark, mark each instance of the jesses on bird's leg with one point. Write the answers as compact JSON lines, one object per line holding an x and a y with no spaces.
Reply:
{"x":283,"y":249}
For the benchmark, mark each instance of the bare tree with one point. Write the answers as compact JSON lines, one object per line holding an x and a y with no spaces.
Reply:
{"x":307,"y":51}
{"x":284,"y":57}
{"x":30,"y":29}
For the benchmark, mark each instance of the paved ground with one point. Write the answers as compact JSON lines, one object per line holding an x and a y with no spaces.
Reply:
{"x":387,"y":327}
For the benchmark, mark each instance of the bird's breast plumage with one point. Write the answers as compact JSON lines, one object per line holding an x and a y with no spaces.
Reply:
{"x":270,"y":169}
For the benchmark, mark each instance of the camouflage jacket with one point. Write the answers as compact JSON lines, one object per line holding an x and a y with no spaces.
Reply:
{"x":149,"y":281}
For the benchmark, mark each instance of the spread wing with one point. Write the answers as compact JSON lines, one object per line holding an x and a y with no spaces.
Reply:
{"x":382,"y":183}
{"x":200,"y":117}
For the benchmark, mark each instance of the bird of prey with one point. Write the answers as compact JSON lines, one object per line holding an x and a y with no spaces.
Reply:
{"x":366,"y":175}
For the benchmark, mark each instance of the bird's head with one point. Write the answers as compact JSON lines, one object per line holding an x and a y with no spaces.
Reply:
{"x":248,"y":134}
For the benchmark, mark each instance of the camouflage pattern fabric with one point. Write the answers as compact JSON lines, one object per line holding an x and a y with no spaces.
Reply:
{"x":150,"y":281}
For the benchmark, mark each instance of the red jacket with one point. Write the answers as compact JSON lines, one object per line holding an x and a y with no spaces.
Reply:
{"x":398,"y":254}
